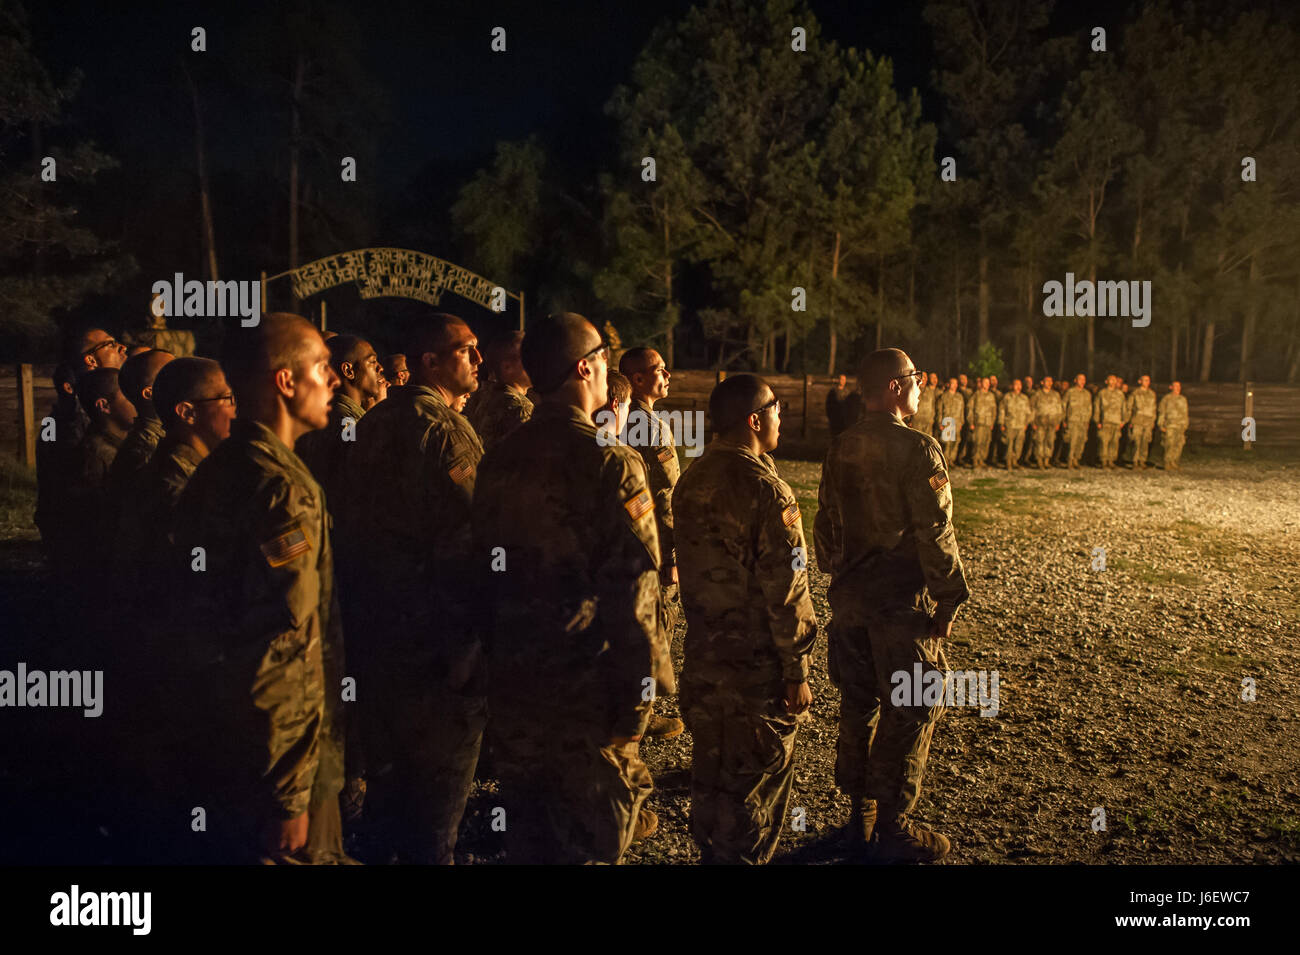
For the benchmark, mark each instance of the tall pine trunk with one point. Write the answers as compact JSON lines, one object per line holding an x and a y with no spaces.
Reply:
{"x":205,"y":203}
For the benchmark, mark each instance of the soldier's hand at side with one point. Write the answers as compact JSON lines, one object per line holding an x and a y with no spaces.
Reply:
{"x":287,"y":835}
{"x":798,"y":697}
{"x":940,"y":630}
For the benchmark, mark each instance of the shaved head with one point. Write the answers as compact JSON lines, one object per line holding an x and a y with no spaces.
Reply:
{"x":734,"y":399}
{"x":182,"y":380}
{"x":139,"y":373}
{"x":880,"y":367}
{"x":553,"y":346}
{"x":435,"y":334}
{"x":636,"y":360}
{"x":279,"y":340}
{"x":95,"y":384}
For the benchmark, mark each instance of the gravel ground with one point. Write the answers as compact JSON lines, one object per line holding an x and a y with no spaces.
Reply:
{"x":1119,"y":688}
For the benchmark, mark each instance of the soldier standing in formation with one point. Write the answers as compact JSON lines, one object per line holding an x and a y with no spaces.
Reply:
{"x":1141,"y":414}
{"x":420,"y":674}
{"x":254,"y":567}
{"x":1048,"y":414}
{"x":568,"y":554}
{"x":884,"y":534}
{"x":1078,"y":412}
{"x":325,"y":451}
{"x":1108,"y":413}
{"x":1172,"y":421}
{"x":136,"y":378}
{"x":952,"y":416}
{"x":751,"y":627}
{"x":1014,"y":415}
{"x":650,"y":437}
{"x":981,"y":414}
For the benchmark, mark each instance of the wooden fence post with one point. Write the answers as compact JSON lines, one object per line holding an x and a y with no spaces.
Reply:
{"x":807,"y":379}
{"x":26,"y":416}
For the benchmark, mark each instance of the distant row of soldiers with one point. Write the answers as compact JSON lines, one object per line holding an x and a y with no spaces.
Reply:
{"x":318,"y":587}
{"x":1051,"y":425}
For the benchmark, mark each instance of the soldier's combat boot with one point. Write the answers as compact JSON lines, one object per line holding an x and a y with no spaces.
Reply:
{"x":664,"y":727}
{"x":902,"y":840}
{"x":862,"y":822}
{"x":647,"y":824}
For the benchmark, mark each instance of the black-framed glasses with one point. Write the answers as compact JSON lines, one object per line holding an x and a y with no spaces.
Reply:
{"x":916,"y":376}
{"x":228,"y":398}
{"x":774,"y":403}
{"x":106,"y":343}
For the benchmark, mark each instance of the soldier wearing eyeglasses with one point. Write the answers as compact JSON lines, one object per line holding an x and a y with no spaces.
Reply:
{"x":752,"y":627}
{"x":884,"y":534}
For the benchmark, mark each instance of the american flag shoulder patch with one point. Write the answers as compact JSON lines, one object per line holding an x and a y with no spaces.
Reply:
{"x":292,"y":543}
{"x":665,"y":454}
{"x":459,"y":472}
{"x":639,"y":505}
{"x":790,"y":515}
{"x":937,"y":481}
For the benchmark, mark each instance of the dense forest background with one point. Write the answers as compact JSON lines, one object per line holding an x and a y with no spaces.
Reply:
{"x":1157,"y":144}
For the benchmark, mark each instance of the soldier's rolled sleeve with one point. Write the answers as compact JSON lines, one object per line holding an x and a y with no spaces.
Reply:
{"x":792,"y":620}
{"x":929,"y":498}
{"x":628,"y":583}
{"x":282,"y":594}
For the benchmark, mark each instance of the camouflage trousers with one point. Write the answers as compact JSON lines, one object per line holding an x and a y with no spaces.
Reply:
{"x":742,"y":773}
{"x":423,"y":748}
{"x":324,"y":821}
{"x":1076,"y":437}
{"x":1044,"y":441}
{"x":1015,"y":444}
{"x":1108,"y":443}
{"x":982,"y":435}
{"x":1141,"y":432}
{"x":950,"y":453}
{"x":570,"y":798}
{"x":884,"y":736}
{"x":1173,"y":440}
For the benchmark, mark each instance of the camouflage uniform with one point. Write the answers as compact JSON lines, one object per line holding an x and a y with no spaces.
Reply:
{"x":967,"y":432}
{"x":1108,"y":413}
{"x":406,"y":530}
{"x":573,"y":634}
{"x":1172,"y":419}
{"x":884,"y":534}
{"x":325,"y":452}
{"x":752,"y":629}
{"x":259,"y":687}
{"x":660,"y":457}
{"x":1078,"y":410}
{"x":1048,"y":413}
{"x":952,"y":405}
{"x":1014,"y":415}
{"x":137,"y":448}
{"x":1141,"y":414}
{"x":498,"y":412}
{"x":923,"y":420}
{"x":57,"y":463}
{"x":981,"y":414}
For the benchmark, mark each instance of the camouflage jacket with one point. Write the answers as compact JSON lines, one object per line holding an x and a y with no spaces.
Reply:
{"x":57,"y":462}
{"x":1173,"y":411}
{"x":951,"y":404}
{"x":1108,"y":407}
{"x":1141,"y":407}
{"x":651,"y":438}
{"x":566,"y":547}
{"x":1048,"y":410}
{"x":1014,"y":413}
{"x":498,"y":412}
{"x":258,"y":614}
{"x":142,"y":546}
{"x":325,"y":452}
{"x":742,"y":556}
{"x":1078,"y":408}
{"x":884,"y":523}
{"x":406,"y":523}
{"x":982,"y":409}
{"x":138,"y":447}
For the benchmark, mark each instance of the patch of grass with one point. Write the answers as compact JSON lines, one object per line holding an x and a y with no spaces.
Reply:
{"x":17,"y":500}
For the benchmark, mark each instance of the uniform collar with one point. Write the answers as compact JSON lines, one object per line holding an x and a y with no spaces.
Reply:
{"x":347,"y":405}
{"x":554,"y":410}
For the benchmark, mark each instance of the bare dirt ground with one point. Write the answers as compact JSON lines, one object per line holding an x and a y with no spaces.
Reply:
{"x":1119,"y":688}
